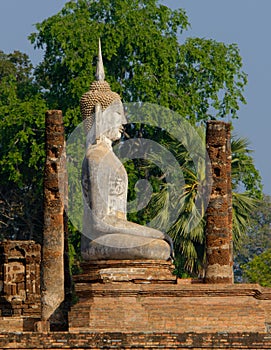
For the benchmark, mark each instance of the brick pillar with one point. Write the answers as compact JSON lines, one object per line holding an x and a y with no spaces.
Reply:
{"x":229,"y":159}
{"x":53,"y":234}
{"x":219,"y":212}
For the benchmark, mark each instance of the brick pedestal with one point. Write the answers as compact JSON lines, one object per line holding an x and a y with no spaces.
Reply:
{"x":144,"y":296}
{"x":138,"y":307}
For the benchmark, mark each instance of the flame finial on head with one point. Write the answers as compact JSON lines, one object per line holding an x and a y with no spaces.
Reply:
{"x":99,"y":93}
{"x":100,"y":67}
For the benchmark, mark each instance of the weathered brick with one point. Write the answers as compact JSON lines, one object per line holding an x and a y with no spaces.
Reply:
{"x":218,"y":215}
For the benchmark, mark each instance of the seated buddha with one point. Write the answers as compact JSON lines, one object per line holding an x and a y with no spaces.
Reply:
{"x":107,"y":234}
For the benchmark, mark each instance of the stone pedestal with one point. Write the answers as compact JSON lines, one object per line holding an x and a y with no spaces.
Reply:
{"x":136,"y":271}
{"x":144,"y":296}
{"x":115,"y":277}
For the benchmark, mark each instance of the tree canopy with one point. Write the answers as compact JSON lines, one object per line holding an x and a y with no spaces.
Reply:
{"x":256,"y":247}
{"x":144,"y":61}
{"x":22,"y":109}
{"x":258,"y":269}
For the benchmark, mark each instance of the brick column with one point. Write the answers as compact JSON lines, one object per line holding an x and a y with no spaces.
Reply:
{"x":53,"y":234}
{"x":219,"y":212}
{"x":229,"y":159}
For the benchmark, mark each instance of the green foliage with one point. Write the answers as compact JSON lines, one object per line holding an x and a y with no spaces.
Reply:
{"x":18,"y":66}
{"x":74,"y":244}
{"x":210,"y":82}
{"x":21,"y":148}
{"x":258,"y":270}
{"x":22,"y":132}
{"x":200,"y":79}
{"x":257,"y":237}
{"x":22,"y":121}
{"x":244,"y":173}
{"x":180,"y":270}
{"x":243,"y":205}
{"x":246,"y":186}
{"x":190,"y":243}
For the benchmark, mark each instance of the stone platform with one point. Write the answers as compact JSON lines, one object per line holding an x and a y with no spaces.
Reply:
{"x":140,"y":298}
{"x":136,"y":271}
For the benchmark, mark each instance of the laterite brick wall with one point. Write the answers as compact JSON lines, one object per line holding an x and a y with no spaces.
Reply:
{"x":20,"y":303}
{"x":127,"y":341}
{"x":128,"y":307}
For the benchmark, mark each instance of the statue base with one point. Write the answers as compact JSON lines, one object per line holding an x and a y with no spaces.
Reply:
{"x":121,"y":297}
{"x":144,"y":296}
{"x":136,"y":271}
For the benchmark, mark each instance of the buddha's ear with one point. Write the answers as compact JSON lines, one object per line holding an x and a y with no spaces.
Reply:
{"x":95,"y":130}
{"x":98,"y":121}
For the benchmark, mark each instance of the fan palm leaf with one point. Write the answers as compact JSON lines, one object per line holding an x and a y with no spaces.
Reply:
{"x":189,"y":239}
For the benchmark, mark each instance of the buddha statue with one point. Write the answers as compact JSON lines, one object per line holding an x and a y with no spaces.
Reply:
{"x":107,"y":235}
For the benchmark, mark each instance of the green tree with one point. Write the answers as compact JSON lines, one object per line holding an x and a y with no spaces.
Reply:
{"x":22,"y":111}
{"x":256,"y":242}
{"x":258,"y":269}
{"x":144,"y":61}
{"x":246,"y":186}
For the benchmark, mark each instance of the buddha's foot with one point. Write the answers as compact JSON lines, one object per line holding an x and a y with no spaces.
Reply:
{"x":123,"y":246}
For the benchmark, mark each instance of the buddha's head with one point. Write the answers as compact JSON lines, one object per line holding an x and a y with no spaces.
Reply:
{"x":102,"y":108}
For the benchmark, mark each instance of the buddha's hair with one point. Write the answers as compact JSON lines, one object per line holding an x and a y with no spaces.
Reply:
{"x":101,"y":93}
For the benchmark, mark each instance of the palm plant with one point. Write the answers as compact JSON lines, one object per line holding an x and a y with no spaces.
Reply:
{"x":189,"y":240}
{"x":246,"y":186}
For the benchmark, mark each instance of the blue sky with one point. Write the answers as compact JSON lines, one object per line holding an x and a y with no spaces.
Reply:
{"x":245,"y":22}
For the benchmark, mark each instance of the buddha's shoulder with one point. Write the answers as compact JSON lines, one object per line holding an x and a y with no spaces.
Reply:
{"x":100,"y":152}
{"x":95,"y":151}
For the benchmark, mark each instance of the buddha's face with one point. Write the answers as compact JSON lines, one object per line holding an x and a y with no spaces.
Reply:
{"x":111,"y":121}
